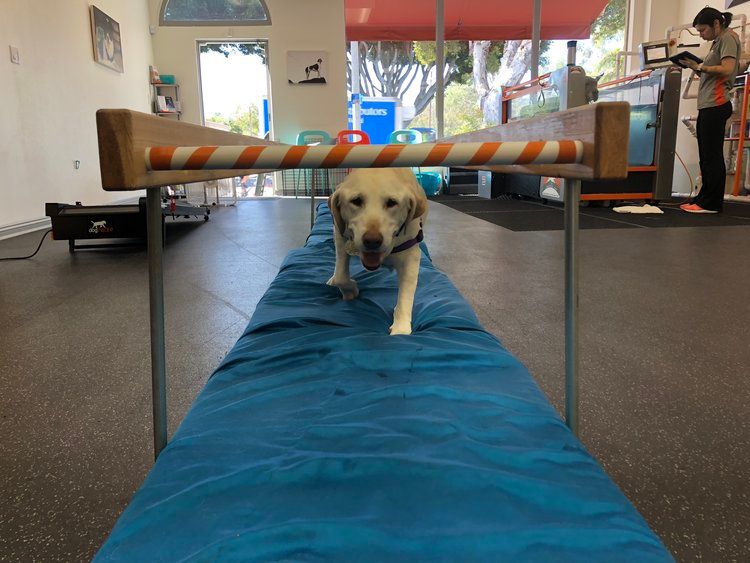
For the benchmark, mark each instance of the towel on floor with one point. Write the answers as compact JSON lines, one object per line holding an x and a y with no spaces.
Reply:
{"x":637,"y":209}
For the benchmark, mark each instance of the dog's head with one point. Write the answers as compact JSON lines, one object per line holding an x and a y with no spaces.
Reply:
{"x":372,"y":206}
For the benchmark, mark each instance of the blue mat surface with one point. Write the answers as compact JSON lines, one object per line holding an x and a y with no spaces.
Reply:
{"x":321,"y":438}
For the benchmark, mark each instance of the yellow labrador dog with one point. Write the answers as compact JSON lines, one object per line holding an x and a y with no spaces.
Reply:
{"x":378,"y":215}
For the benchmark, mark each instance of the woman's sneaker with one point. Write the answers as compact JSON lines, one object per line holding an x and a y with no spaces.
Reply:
{"x":694,"y":208}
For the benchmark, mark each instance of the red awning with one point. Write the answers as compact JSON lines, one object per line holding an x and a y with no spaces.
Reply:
{"x":414,"y":20}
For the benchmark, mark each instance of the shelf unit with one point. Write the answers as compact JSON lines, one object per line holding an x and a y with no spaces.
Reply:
{"x":171,"y":90}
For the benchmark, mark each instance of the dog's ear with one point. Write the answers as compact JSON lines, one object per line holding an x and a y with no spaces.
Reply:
{"x":333,"y":205}
{"x":417,"y":199}
{"x":418,"y":207}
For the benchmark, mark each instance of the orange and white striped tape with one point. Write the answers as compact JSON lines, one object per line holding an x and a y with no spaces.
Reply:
{"x":277,"y":157}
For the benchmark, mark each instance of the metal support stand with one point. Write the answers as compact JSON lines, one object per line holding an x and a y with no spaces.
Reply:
{"x":312,"y":198}
{"x":156,"y":300}
{"x":572,"y":196}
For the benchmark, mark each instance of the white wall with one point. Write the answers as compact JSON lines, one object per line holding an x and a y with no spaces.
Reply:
{"x":296,"y":25}
{"x":48,"y":102}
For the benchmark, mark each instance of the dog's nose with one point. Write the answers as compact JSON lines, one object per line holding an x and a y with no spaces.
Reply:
{"x":372,"y":241}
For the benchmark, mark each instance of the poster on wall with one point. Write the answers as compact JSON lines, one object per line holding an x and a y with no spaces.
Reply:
{"x":306,"y":67}
{"x":106,"y":35}
{"x":733,"y":3}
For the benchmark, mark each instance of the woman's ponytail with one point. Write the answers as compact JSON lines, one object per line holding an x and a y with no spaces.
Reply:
{"x":707,"y":16}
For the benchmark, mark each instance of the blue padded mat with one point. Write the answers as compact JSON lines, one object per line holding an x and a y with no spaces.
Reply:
{"x":321,"y":438}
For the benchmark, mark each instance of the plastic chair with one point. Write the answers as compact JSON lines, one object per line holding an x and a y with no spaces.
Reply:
{"x":405,"y":137}
{"x":431,"y":182}
{"x":309,"y":137}
{"x":343,"y":137}
{"x":429,"y":135}
{"x":313,"y":136}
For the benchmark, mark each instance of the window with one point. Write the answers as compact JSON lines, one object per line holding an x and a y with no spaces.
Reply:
{"x":214,"y":12}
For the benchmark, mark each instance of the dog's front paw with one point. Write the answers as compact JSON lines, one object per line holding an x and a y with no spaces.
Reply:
{"x":348,"y":288}
{"x":403,"y":327}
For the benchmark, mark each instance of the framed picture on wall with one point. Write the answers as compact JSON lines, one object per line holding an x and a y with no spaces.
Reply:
{"x":306,"y":67}
{"x":107,"y":43}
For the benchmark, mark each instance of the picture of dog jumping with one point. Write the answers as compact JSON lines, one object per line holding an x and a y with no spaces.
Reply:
{"x":313,"y":68}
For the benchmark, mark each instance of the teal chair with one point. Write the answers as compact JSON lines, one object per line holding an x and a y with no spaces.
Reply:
{"x":431,"y":182}
{"x":405,"y":137}
{"x":313,"y":136}
{"x":429,"y":135}
{"x":309,"y":137}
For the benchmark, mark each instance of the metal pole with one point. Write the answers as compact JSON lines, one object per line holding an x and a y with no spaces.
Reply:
{"x":440,"y":67}
{"x":572,"y":197}
{"x":312,"y":198}
{"x":536,"y":35}
{"x":154,"y":222}
{"x":356,"y":101}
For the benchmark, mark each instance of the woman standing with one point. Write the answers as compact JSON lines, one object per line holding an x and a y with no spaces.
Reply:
{"x":717,"y":74}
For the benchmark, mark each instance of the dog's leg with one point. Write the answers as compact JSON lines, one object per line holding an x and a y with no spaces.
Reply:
{"x":341,"y":277}
{"x":407,"y":268}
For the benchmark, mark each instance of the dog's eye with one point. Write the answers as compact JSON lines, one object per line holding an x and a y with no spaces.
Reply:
{"x":357,"y":201}
{"x":391,"y":203}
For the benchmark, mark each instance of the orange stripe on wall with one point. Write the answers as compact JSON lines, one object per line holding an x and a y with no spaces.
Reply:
{"x":387,"y":155}
{"x":437,"y":154}
{"x":484,"y":153}
{"x":199,"y":157}
{"x":336,"y":156}
{"x":161,"y":157}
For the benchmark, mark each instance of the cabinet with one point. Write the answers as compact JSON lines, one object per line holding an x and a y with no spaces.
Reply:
{"x":166,"y":100}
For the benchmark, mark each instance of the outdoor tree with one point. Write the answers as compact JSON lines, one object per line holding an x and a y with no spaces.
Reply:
{"x":244,"y":122}
{"x":513,"y":64}
{"x":607,"y":35}
{"x":390,"y":68}
{"x":228,"y":49}
{"x":462,"y":113}
{"x":210,"y":10}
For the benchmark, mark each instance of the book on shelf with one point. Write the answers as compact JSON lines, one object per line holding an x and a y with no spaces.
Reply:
{"x":161,"y":104}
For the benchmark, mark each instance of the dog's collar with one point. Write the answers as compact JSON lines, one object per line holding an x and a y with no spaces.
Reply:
{"x":409,"y":243}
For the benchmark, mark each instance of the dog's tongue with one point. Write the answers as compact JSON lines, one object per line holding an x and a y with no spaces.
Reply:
{"x":371,"y":260}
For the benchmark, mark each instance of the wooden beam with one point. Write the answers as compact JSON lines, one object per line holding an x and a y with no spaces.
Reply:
{"x":604,"y":129}
{"x":125,"y":134}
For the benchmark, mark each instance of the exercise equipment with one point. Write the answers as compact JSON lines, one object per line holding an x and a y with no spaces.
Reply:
{"x":126,"y":222}
{"x":321,"y":436}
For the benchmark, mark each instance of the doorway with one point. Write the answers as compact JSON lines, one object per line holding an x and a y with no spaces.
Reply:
{"x":234,"y":88}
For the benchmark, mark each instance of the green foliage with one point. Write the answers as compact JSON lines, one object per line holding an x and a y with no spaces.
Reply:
{"x":608,"y":27}
{"x":610,"y":23}
{"x":458,"y":54}
{"x":462,"y":113}
{"x":547,"y":105}
{"x":227,"y":49}
{"x":607,"y":66}
{"x":214,"y":10}
{"x":242,"y":122}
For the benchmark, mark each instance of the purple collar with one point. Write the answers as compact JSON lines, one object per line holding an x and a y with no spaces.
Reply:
{"x":409,"y":243}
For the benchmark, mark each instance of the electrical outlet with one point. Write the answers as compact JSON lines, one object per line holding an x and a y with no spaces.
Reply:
{"x":15,"y":58}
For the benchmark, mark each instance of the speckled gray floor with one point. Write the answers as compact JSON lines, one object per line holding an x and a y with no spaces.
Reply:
{"x":665,"y":356}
